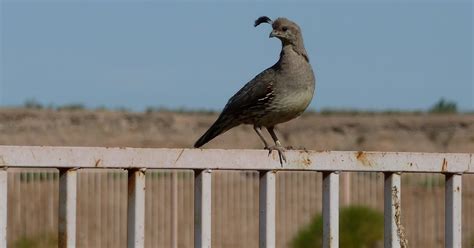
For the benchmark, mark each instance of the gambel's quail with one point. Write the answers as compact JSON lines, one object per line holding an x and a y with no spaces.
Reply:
{"x":276,"y":95}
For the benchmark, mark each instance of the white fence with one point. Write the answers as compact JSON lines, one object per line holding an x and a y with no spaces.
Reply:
{"x":69,"y":159}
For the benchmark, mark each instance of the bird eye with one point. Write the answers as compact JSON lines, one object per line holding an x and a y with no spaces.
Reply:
{"x":284,"y":29}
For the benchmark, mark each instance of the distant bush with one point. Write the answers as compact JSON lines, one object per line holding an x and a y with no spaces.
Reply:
{"x":32,"y":104}
{"x":100,"y":108}
{"x":73,"y":106}
{"x":443,"y":106}
{"x":359,"y":227}
{"x":149,"y":109}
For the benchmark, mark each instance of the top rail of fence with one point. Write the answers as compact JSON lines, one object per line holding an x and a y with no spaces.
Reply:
{"x":102,"y":157}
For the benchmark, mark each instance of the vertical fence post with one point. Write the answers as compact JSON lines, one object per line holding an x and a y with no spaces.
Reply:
{"x":267,"y":204}
{"x":174,"y":209}
{"x":67,"y":207}
{"x":202,"y":208}
{"x":453,"y":214}
{"x":3,"y":206}
{"x":331,"y":209}
{"x":136,"y":209}
{"x":394,"y":236}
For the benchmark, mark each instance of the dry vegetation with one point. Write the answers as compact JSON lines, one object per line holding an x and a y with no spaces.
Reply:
{"x":350,"y":131}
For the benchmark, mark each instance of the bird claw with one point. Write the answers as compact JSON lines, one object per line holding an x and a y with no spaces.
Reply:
{"x":281,"y":152}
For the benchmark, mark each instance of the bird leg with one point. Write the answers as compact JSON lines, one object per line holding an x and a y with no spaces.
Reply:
{"x":281,"y":150}
{"x":259,"y":132}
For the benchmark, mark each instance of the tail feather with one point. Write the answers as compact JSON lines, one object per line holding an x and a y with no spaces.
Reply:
{"x":221,"y":125}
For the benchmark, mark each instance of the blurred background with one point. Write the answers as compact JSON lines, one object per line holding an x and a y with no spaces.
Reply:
{"x":391,"y":76}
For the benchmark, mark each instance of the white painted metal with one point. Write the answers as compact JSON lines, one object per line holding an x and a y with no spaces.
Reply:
{"x":394,"y":236}
{"x":202,"y":209}
{"x":136,"y":209}
{"x":267,"y":203}
{"x":67,"y":208}
{"x":93,"y":157}
{"x":329,"y":162}
{"x":3,"y":207}
{"x":453,"y":215}
{"x":331,"y":209}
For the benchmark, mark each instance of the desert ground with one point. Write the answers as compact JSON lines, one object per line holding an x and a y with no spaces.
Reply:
{"x":374,"y":132}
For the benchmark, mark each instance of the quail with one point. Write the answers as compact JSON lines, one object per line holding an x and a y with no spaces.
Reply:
{"x":276,"y":95}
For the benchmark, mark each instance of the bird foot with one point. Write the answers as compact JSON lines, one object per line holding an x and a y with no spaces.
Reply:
{"x":281,"y":152}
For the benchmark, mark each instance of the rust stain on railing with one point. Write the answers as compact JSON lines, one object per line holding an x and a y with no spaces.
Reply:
{"x":97,"y":163}
{"x":362,"y":157}
{"x":305,"y":159}
{"x":444,"y":166}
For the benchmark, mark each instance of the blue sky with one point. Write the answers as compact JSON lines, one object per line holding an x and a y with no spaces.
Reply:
{"x":134,"y":54}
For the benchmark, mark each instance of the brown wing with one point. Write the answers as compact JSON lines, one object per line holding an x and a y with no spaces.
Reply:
{"x":252,"y":100}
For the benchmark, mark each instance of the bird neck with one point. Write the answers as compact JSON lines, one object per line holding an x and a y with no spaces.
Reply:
{"x":289,"y":48}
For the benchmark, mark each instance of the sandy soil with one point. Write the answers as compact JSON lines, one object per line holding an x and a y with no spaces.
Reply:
{"x":382,"y":132}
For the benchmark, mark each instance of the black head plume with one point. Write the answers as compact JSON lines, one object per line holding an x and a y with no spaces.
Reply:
{"x":263,"y":19}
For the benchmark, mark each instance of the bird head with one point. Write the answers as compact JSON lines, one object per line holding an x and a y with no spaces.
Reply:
{"x":285,"y":30}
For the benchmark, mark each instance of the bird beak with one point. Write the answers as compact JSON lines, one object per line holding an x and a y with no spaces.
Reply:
{"x":272,"y":34}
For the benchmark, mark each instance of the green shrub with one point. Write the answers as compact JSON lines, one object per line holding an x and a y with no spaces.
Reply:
{"x":32,"y":104}
{"x":359,"y":227}
{"x":38,"y":241}
{"x":443,"y":106}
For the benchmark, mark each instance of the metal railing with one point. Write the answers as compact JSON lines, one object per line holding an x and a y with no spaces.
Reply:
{"x":136,"y":160}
